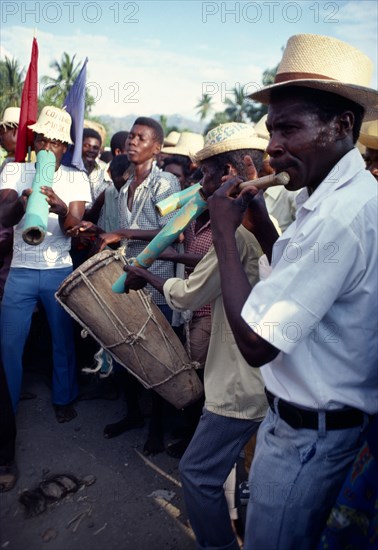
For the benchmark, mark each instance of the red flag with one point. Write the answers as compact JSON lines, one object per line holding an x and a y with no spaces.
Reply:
{"x":29,"y":107}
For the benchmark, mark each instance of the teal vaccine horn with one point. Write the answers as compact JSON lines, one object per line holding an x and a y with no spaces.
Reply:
{"x":37,"y":208}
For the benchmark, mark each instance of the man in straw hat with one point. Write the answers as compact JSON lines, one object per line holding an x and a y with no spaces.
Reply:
{"x":8,"y":132}
{"x":312,"y":322}
{"x":235,"y":402}
{"x":37,"y":270}
{"x":369,"y":138}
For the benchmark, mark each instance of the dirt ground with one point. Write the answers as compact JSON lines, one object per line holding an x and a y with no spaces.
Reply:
{"x":135,"y":502}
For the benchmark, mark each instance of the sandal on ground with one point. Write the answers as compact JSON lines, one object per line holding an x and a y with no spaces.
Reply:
{"x":58,"y":486}
{"x":8,"y":476}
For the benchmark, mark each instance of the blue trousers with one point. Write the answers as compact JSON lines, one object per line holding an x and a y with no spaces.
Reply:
{"x":204,"y":468}
{"x":294,"y":481}
{"x":23,"y":289}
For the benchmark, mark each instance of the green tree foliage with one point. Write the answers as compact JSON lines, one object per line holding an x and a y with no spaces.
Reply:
{"x":204,"y":106}
{"x":55,"y":89}
{"x":238,"y":108}
{"x":11,"y":81}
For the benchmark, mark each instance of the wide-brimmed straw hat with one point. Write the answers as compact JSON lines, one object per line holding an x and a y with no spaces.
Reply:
{"x":230,"y":137}
{"x":53,"y":123}
{"x":369,"y":134}
{"x":188,"y":145}
{"x":11,"y":117}
{"x":328,"y":64}
{"x":171,"y":139}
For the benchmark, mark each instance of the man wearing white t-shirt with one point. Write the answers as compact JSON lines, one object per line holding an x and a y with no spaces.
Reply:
{"x":38,"y":270}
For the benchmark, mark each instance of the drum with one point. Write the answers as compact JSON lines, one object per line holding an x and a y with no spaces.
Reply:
{"x":131,"y":328}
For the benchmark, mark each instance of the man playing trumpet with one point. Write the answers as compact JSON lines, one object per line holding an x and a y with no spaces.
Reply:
{"x":37,"y":270}
{"x":312,"y":324}
{"x":235,"y":402}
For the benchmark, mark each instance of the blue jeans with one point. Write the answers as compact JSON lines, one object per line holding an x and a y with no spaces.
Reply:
{"x":23,"y":289}
{"x":294,"y":481}
{"x":204,"y":468}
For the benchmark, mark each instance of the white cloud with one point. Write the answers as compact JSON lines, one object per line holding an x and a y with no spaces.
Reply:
{"x":144,"y":80}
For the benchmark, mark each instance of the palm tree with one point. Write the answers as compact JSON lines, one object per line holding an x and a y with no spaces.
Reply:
{"x":237,"y":108}
{"x":11,"y":83}
{"x":204,"y":106}
{"x":55,"y":90}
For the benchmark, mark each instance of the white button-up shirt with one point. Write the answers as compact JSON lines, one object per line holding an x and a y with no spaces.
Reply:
{"x":319,"y":306}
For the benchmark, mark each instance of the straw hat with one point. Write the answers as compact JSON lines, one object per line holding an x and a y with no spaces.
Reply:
{"x":172,"y":139}
{"x":230,"y":137}
{"x":328,"y":64}
{"x":369,"y":134}
{"x":11,"y":117}
{"x":53,"y":123}
{"x":188,"y":145}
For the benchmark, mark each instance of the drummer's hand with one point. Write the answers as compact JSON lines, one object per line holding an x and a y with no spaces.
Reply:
{"x":106,"y":239}
{"x":85,"y":227}
{"x":135,"y":278}
{"x":57,"y":206}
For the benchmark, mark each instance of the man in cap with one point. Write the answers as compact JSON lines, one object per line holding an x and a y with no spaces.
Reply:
{"x":37,"y":270}
{"x":235,"y":402}
{"x":8,"y":132}
{"x":312,"y":322}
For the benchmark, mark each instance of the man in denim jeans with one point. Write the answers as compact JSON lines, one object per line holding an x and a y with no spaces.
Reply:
{"x":312,"y":323}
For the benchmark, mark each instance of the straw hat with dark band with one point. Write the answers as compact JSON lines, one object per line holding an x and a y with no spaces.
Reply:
{"x":328,"y":64}
{"x":230,"y":137}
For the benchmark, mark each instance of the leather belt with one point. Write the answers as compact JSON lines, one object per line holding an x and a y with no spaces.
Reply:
{"x":297,"y":417}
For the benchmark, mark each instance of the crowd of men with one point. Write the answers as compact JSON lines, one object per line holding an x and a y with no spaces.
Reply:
{"x":278,"y":295}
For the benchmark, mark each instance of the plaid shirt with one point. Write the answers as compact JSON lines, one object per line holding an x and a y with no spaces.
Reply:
{"x":198,"y":243}
{"x":156,"y":187}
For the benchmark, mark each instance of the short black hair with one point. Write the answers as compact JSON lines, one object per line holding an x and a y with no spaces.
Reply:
{"x":119,"y":165}
{"x":154,"y":124}
{"x":118,"y":141}
{"x":236,"y":159}
{"x":90,"y":133}
{"x":181,"y":160}
{"x":326,"y":105}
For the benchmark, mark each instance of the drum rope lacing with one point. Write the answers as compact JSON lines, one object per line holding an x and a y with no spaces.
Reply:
{"x":131,"y":338}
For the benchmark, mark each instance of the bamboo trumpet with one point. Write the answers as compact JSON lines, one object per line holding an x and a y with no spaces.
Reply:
{"x":282,"y":178}
{"x":165,"y":237}
{"x":37,"y":209}
{"x":177,"y":200}
{"x":191,"y":210}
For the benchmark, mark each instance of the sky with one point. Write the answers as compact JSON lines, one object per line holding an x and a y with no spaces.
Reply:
{"x":159,"y":57}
